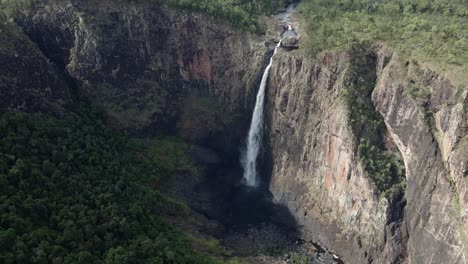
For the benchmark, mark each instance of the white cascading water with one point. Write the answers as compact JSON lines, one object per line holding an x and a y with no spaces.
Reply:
{"x":255,"y":138}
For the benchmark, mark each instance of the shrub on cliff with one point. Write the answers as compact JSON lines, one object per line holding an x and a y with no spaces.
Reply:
{"x":240,"y":13}
{"x":430,"y":29}
{"x":384,"y":167}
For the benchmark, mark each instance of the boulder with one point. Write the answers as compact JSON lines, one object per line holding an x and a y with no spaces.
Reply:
{"x":290,"y":43}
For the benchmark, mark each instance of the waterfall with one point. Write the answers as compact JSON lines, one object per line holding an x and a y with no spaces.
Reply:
{"x":255,"y":137}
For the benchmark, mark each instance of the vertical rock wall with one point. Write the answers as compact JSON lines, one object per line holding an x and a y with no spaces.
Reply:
{"x":317,"y":172}
{"x":426,"y":117}
{"x":28,"y":82}
{"x":314,"y":168}
{"x":141,"y":61}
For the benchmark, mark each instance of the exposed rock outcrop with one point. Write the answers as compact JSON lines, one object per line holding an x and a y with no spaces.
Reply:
{"x":154,"y":68}
{"x":430,"y":131}
{"x":314,"y":169}
{"x":290,"y":43}
{"x":141,"y":61}
{"x":317,"y":172}
{"x":28,"y":82}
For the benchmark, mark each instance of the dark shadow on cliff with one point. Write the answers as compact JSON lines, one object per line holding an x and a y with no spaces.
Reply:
{"x":252,"y":221}
{"x":246,"y":219}
{"x":254,"y":206}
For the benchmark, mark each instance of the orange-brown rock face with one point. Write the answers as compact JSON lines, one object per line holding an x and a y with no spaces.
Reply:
{"x":316,"y":171}
{"x":430,"y":131}
{"x":314,"y":168}
{"x":141,"y":62}
{"x":147,"y":64}
{"x":200,"y":66}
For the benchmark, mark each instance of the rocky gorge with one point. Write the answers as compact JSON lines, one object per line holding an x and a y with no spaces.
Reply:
{"x":156,"y":69}
{"x":311,"y":141}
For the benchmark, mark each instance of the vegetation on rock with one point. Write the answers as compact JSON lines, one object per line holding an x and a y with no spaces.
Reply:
{"x":385,"y":168}
{"x":430,"y":29}
{"x":75,"y":191}
{"x":241,"y":13}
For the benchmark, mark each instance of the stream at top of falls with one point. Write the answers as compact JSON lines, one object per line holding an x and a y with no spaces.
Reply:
{"x":254,"y":140}
{"x":254,"y":221}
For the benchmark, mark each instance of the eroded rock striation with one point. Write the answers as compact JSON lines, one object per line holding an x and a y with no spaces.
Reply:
{"x":155,"y":68}
{"x":28,"y":81}
{"x":142,"y":60}
{"x":316,"y":170}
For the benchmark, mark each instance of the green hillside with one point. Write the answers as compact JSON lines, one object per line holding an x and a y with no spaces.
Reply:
{"x":435,"y":31}
{"x":75,"y":191}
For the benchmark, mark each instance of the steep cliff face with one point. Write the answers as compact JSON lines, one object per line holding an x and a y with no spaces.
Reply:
{"x":141,"y":61}
{"x":28,"y":82}
{"x":154,"y":68}
{"x":426,"y":117}
{"x":314,"y":169}
{"x":317,"y":172}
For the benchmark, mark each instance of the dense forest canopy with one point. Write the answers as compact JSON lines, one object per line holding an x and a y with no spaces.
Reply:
{"x":430,"y":29}
{"x":74,"y":191}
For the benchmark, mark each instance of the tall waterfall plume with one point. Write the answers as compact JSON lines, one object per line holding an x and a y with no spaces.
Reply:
{"x":255,"y":137}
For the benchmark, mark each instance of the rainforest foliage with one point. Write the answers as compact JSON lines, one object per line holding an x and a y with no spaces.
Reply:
{"x":430,"y":29}
{"x":75,"y":191}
